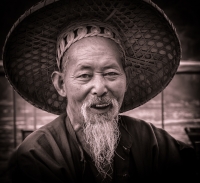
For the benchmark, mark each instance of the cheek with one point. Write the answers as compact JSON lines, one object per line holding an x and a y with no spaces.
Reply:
{"x":118,"y":89}
{"x":75,"y":95}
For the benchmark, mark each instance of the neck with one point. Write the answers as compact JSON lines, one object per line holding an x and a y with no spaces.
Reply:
{"x":76,"y":120}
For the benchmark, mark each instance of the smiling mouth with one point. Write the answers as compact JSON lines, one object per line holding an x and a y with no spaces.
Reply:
{"x":101,"y":106}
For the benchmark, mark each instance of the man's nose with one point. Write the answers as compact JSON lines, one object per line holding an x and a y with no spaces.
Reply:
{"x":99,"y":86}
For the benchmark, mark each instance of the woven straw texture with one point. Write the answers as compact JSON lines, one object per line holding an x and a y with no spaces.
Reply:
{"x":151,"y":45}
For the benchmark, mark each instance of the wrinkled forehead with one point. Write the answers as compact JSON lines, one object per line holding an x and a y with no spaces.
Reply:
{"x":91,"y":46}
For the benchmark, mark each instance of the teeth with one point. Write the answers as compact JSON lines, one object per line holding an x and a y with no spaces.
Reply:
{"x":102,"y":105}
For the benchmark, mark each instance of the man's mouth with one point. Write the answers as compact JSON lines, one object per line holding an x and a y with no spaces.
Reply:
{"x":101,"y":106}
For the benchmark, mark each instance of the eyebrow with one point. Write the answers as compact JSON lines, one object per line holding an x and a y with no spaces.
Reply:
{"x":83,"y":67}
{"x":112,"y":65}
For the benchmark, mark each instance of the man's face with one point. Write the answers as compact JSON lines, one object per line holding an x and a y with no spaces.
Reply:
{"x":94,"y":71}
{"x":94,"y":83}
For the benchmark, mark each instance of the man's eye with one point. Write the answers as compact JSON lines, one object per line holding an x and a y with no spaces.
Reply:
{"x":111,"y":74}
{"x":85,"y":76}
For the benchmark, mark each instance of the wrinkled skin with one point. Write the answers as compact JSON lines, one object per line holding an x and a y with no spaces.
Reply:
{"x":94,"y":68}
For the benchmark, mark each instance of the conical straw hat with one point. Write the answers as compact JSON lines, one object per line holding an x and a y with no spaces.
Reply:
{"x":151,"y":45}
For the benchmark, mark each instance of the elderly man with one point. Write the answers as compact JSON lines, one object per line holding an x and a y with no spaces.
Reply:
{"x":98,"y":77}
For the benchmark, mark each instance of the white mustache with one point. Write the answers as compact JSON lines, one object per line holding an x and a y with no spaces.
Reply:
{"x":99,"y":101}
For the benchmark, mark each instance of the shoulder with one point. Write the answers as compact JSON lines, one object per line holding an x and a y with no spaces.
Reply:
{"x":42,"y":154}
{"x":146,"y":134}
{"x":155,"y":145}
{"x":136,"y":125}
{"x":39,"y":148}
{"x":45,"y":135}
{"x":145,"y":130}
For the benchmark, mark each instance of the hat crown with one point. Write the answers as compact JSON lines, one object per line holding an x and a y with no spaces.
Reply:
{"x":80,"y":29}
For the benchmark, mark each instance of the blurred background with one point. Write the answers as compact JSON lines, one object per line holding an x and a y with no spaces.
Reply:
{"x":176,"y":109}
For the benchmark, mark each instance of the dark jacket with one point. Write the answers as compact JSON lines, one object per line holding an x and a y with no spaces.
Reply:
{"x":145,"y":152}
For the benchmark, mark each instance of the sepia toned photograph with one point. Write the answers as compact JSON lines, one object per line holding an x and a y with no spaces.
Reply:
{"x":100,"y":91}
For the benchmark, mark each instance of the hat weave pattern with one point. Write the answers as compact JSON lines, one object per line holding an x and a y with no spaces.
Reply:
{"x":151,"y":45}
{"x":83,"y":29}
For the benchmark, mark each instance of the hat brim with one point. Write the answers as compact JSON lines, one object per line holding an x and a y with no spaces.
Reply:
{"x":151,"y":44}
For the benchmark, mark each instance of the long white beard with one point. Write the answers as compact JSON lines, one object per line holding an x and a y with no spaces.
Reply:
{"x":101,"y":134}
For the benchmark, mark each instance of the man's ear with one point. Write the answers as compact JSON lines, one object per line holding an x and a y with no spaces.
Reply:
{"x":58,"y":82}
